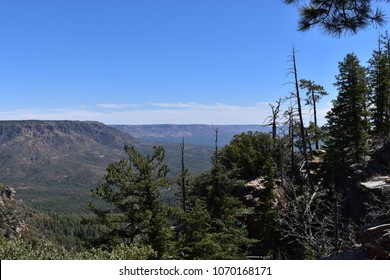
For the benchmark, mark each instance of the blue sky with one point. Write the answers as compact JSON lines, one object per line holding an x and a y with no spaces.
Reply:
{"x":160,"y":61}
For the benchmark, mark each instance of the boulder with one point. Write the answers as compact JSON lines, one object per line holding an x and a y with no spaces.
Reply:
{"x":375,"y":239}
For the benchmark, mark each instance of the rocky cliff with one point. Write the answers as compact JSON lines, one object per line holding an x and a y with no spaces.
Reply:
{"x":57,"y":152}
{"x":12,"y":222}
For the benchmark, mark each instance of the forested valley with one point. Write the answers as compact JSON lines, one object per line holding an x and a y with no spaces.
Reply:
{"x":303,"y":191}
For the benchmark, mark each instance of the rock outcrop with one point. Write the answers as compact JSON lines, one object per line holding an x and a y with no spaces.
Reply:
{"x":316,"y":160}
{"x":375,"y":239}
{"x":7,"y":194}
{"x":368,"y":199}
{"x":11,"y":224}
{"x":251,"y":192}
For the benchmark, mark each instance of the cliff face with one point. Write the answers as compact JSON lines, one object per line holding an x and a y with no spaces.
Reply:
{"x":368,"y":186}
{"x":51,"y":163}
{"x":368,"y":202}
{"x":12,"y":224}
{"x":57,"y":152}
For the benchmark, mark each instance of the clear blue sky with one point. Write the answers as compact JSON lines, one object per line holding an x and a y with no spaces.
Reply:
{"x":159,"y":61}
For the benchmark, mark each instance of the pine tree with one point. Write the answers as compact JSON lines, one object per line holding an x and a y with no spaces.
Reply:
{"x":338,"y":17}
{"x":250,"y":153}
{"x":313,"y":95}
{"x":214,"y":226}
{"x":133,"y":212}
{"x":379,"y":80}
{"x":347,"y":122}
{"x":250,"y":156}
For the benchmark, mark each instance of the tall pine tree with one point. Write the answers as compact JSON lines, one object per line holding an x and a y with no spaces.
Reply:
{"x":379,"y":80}
{"x":347,"y":122}
{"x":134,"y":212}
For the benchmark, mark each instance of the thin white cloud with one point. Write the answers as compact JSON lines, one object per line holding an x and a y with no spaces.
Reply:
{"x":199,"y":106}
{"x":175,"y":113}
{"x":115,"y":106}
{"x":175,"y":105}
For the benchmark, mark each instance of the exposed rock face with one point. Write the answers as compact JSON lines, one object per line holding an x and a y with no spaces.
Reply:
{"x":375,"y":244}
{"x":368,"y":193}
{"x":58,"y":152}
{"x":251,"y":193}
{"x":380,"y":182}
{"x":375,"y":239}
{"x":6,"y":194}
{"x":368,"y":185}
{"x":11,"y":225}
{"x":254,"y":195}
{"x":316,"y":160}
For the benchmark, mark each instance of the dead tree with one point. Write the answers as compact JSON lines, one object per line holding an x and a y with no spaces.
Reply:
{"x":278,"y":146}
{"x":307,"y":222}
{"x":298,"y":102}
{"x":289,"y":116}
{"x":274,"y":118}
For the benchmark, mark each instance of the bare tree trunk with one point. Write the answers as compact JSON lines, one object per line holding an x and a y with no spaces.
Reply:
{"x":316,"y":136}
{"x":302,"y":127}
{"x":275,"y":114}
{"x":291,"y":133}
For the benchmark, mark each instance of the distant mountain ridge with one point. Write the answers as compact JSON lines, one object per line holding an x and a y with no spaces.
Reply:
{"x":56,"y":163}
{"x":197,"y":134}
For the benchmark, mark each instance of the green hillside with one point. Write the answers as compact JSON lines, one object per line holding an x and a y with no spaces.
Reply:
{"x":54,"y":164}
